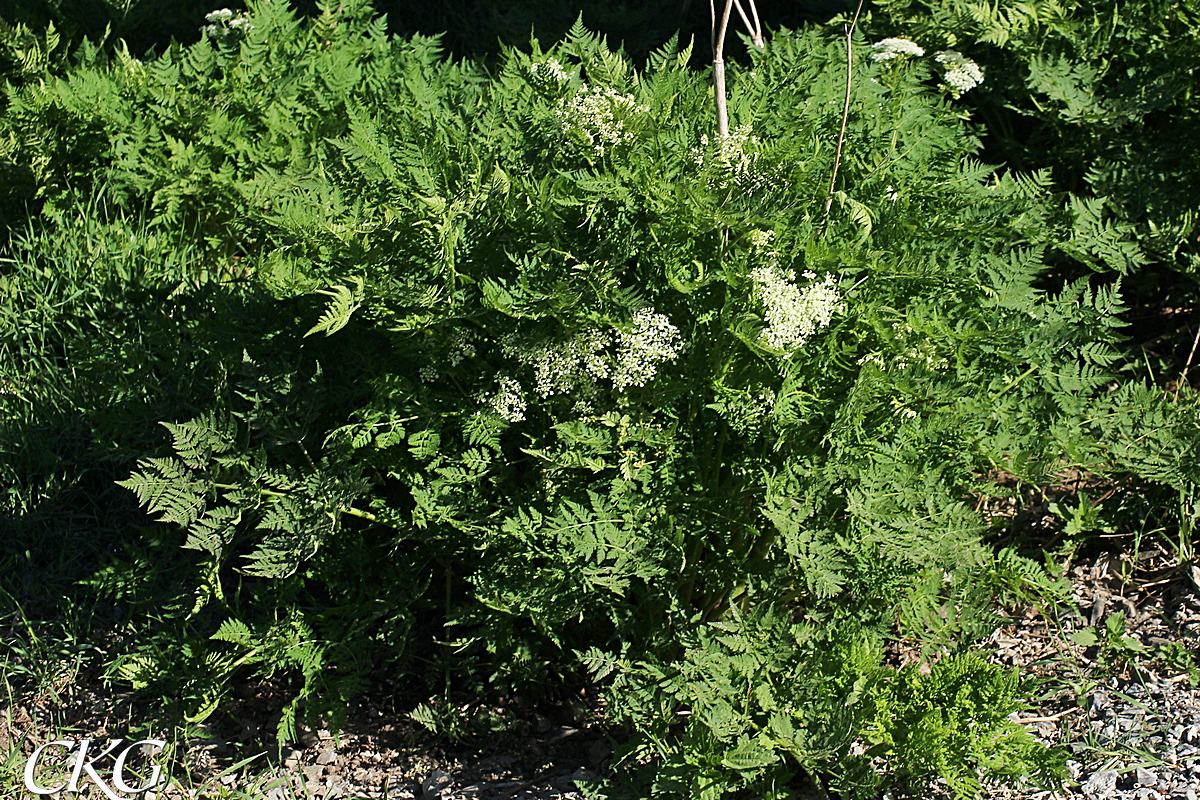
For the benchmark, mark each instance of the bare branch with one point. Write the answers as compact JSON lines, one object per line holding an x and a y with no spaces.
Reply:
{"x":837,"y":157}
{"x":753,"y":28}
{"x":719,"y":71}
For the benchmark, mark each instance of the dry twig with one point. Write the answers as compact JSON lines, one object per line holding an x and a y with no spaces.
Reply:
{"x":837,"y":157}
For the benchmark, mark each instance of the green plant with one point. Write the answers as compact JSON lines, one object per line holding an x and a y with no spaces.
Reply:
{"x":522,"y":377}
{"x":1086,"y":89}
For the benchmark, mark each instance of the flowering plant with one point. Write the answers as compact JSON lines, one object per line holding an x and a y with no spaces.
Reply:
{"x":527,"y":372}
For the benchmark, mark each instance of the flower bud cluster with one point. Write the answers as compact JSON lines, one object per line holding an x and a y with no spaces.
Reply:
{"x":913,"y":349}
{"x":762,"y":243}
{"x":895,"y":48}
{"x":916,"y":349}
{"x":223,"y":23}
{"x":962,"y":74}
{"x":595,"y":117}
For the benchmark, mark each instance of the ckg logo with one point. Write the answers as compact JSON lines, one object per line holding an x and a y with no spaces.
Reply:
{"x":83,"y":766}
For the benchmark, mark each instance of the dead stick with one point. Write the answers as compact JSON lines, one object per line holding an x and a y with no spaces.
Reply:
{"x":753,"y":28}
{"x":719,"y":72}
{"x":837,"y":157}
{"x":1188,"y":365}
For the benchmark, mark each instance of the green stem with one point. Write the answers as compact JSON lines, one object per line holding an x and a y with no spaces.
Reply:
{"x":349,"y":510}
{"x":1017,"y":380}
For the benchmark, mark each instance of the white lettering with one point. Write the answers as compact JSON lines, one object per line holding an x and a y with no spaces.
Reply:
{"x":31,"y":765}
{"x":119,"y":768}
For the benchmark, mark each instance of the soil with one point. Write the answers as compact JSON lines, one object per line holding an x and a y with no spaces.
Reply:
{"x":1130,"y":716}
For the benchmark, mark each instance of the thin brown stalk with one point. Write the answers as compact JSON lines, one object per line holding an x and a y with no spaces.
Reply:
{"x":1188,"y":365}
{"x":719,"y":71}
{"x":837,"y":156}
{"x":754,"y":28}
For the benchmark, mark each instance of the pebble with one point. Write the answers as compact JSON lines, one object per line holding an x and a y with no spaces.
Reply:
{"x":1100,"y":785}
{"x":434,"y":784}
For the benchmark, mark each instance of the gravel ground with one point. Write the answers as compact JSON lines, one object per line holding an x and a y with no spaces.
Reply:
{"x":1134,"y":736}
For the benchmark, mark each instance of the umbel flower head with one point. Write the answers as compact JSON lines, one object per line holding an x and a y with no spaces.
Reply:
{"x":549,"y":76}
{"x":509,"y":400}
{"x":962,"y":74}
{"x":223,"y":22}
{"x":731,"y":160}
{"x":595,"y":117}
{"x":895,"y":49}
{"x":653,"y":341}
{"x":794,"y":313}
{"x":574,"y":367}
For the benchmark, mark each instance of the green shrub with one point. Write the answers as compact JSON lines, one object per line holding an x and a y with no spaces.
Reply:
{"x":528,"y":376}
{"x":1096,"y":91}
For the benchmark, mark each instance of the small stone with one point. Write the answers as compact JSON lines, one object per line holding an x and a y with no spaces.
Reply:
{"x":1100,"y":784}
{"x":1145,"y":777}
{"x":597,"y":752}
{"x":326,"y":757}
{"x":433,"y":786}
{"x":582,"y":775}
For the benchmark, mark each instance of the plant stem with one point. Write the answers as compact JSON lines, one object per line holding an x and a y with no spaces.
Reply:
{"x":753,"y":28}
{"x":719,"y":68}
{"x":351,"y":510}
{"x":1188,"y":365}
{"x":837,"y":157}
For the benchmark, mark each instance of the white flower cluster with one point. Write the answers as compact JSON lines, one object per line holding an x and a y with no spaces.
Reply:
{"x":962,"y":74}
{"x":895,"y":48}
{"x":733,"y":158}
{"x":562,"y":367}
{"x":456,"y":348}
{"x":793,"y":314}
{"x":224,"y":22}
{"x":461,"y":346}
{"x":548,"y":76}
{"x":575,"y":367}
{"x":509,"y":400}
{"x":652,"y":341}
{"x":595,"y":116}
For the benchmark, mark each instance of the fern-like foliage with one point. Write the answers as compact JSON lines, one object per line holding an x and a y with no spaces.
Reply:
{"x":602,"y":382}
